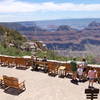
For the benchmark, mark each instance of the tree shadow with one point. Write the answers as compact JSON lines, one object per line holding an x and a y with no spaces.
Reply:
{"x":21,"y":68}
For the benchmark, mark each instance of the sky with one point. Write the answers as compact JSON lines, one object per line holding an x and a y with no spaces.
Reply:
{"x":31,"y":10}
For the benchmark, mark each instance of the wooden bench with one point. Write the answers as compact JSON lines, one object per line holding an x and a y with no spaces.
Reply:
{"x":13,"y":83}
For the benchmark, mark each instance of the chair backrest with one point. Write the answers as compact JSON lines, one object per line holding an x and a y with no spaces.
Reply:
{"x":4,"y":59}
{"x":41,"y":63}
{"x":15,"y":82}
{"x":0,"y":59}
{"x":11,"y":60}
{"x":98,"y":72}
{"x":20,"y":61}
{"x":11,"y":81}
{"x":68,"y":67}
{"x":52,"y":65}
{"x":29,"y":61}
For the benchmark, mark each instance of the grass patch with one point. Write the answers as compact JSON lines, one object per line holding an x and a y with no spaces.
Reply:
{"x":12,"y":51}
{"x":53,"y":56}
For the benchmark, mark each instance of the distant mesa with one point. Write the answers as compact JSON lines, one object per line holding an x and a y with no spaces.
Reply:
{"x":94,"y":24}
{"x":60,"y":34}
{"x":64,"y":28}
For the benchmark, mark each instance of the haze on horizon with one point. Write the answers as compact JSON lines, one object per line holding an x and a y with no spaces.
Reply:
{"x":31,"y":10}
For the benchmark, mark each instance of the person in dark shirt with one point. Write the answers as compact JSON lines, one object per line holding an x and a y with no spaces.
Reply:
{"x":85,"y":70}
{"x":44,"y":59}
{"x":74,"y":68}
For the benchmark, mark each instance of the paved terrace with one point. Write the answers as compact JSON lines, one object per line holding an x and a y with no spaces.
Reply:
{"x":40,"y":86}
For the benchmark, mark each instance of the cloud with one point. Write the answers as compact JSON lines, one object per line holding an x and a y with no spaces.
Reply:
{"x":11,"y":6}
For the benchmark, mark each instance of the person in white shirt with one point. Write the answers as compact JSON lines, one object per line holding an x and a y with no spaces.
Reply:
{"x":80,"y":72}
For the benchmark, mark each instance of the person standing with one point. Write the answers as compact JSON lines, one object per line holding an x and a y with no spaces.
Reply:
{"x":44,"y":59}
{"x":74,"y":68}
{"x":91,"y":75}
{"x":33,"y":61}
{"x":84,"y":65}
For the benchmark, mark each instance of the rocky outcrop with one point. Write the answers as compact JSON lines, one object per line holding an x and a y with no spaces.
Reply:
{"x":64,"y":28}
{"x":93,"y":26}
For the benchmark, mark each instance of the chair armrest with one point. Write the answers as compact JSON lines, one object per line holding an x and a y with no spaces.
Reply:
{"x":1,"y":80}
{"x":22,"y":83}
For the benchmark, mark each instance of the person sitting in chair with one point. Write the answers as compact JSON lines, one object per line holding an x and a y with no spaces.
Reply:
{"x":44,"y":59}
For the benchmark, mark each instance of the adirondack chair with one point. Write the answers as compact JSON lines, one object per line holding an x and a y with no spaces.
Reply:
{"x":98,"y":74}
{"x":4,"y":61}
{"x":12,"y":82}
{"x":68,"y":70}
{"x":29,"y":61}
{"x":0,"y":59}
{"x":53,"y":68}
{"x":21,"y":63}
{"x":10,"y":62}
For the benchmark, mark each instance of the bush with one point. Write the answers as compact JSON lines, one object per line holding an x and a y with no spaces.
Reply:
{"x":12,"y":51}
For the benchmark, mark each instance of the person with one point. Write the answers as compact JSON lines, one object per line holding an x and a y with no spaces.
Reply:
{"x":33,"y":61}
{"x":84,"y":65}
{"x":36,"y":58}
{"x":32,"y":57}
{"x":44,"y":59}
{"x":74,"y":68}
{"x":91,"y":75}
{"x":80,"y":72}
{"x":45,"y":64}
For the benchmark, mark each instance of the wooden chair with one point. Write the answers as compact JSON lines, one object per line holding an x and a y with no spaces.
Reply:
{"x":10,"y":62}
{"x":21,"y":63}
{"x":4,"y":61}
{"x":68,"y":69}
{"x":53,"y":68}
{"x":29,"y":61}
{"x":12,"y":82}
{"x":98,"y":74}
{"x":0,"y":59}
{"x":98,"y":77}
